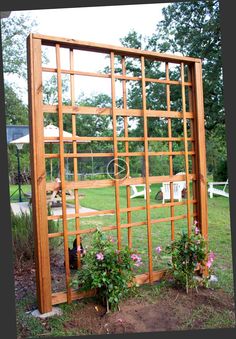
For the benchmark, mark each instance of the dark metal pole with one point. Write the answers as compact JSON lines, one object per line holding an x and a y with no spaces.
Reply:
{"x":19,"y":176}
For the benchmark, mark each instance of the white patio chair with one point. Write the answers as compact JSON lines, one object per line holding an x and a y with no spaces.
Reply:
{"x":177,"y":191}
{"x":212,"y":190}
{"x":138,"y":193}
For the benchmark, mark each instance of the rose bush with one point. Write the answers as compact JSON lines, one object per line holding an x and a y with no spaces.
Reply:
{"x":108,"y":270}
{"x":190,"y":254}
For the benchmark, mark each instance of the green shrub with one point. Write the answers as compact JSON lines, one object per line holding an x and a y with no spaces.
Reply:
{"x":189,"y":254}
{"x":220,"y":172}
{"x":107,"y":270}
{"x":22,"y":236}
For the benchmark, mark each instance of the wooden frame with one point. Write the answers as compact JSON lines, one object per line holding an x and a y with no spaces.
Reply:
{"x":195,"y":114}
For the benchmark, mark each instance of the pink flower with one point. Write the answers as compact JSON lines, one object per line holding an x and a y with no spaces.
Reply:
{"x":211,"y":256}
{"x":196,"y":230}
{"x":195,"y":222}
{"x":134,"y":256}
{"x":209,"y":263}
{"x":99,"y":256}
{"x":158,"y":249}
{"x":110,"y":238}
{"x":117,"y":251}
{"x":137,"y":259}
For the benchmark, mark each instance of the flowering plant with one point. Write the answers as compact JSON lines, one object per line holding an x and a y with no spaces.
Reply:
{"x":108,"y":270}
{"x":189,"y":255}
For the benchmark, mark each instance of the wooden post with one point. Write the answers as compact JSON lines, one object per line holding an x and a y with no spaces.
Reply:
{"x":115,"y":151}
{"x":62,"y":173}
{"x":126,"y":133}
{"x":148,"y":212}
{"x":170,"y":145}
{"x":38,"y":177}
{"x":185,"y":147}
{"x":200,"y":135}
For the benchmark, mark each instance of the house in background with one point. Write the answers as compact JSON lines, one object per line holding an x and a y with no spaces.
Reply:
{"x":16,"y":131}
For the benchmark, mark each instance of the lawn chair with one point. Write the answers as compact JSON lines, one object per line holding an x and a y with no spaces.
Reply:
{"x":135,"y":193}
{"x":217,"y":191}
{"x":177,"y":191}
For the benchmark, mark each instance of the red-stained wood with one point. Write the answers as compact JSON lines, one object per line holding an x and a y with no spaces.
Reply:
{"x":202,"y":177}
{"x":126,"y":139}
{"x":119,"y":111}
{"x":147,"y":182}
{"x":170,"y":151}
{"x":104,"y":48}
{"x":38,"y":177}
{"x":62,"y":174}
{"x":186,"y":152}
{"x":114,"y":122}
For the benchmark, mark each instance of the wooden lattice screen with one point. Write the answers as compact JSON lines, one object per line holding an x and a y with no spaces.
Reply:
{"x":191,"y":118}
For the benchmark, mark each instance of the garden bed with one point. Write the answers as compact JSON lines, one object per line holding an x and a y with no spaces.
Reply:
{"x":159,"y":307}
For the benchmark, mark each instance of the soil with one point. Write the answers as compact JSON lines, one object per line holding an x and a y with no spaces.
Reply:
{"x":168,"y":311}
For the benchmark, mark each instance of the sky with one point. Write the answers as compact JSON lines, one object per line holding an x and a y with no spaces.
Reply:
{"x":106,"y":24}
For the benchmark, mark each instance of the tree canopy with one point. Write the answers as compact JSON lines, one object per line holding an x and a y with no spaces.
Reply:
{"x":15,"y":30}
{"x":193,"y":29}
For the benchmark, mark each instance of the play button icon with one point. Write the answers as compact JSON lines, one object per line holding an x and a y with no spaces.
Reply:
{"x":118,"y":169}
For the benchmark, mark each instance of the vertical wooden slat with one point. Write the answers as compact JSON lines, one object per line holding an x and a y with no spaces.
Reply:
{"x":115,"y":150}
{"x":148,"y":213}
{"x":193,"y":135}
{"x":186,"y":148}
{"x":75,"y":160}
{"x":126,"y":133}
{"x":170,"y":150}
{"x":38,"y":177}
{"x":62,"y":173}
{"x":202,"y":172}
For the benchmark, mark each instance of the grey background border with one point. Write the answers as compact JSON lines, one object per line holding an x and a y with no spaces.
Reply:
{"x":7,"y":307}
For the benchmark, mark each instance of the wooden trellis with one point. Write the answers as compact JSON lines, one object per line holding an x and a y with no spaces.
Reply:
{"x":196,"y":201}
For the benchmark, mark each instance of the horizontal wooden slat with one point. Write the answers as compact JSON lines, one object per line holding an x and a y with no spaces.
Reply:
{"x":61,"y":297}
{"x":167,"y":82}
{"x":116,"y":76}
{"x":120,"y":112}
{"x":141,"y":279}
{"x":51,"y":186}
{"x":69,"y":71}
{"x":88,"y":139}
{"x":122,"y":210}
{"x":114,"y":227}
{"x":81,"y":215}
{"x":104,"y":48}
{"x":144,"y":278}
{"x":120,"y":154}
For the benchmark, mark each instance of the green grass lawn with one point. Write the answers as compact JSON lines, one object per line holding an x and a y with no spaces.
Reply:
{"x":14,"y":192}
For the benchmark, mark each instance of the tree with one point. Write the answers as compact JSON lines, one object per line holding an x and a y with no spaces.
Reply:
{"x":15,"y":30}
{"x":16,"y":110}
{"x":190,"y":28}
{"x":193,"y":28}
